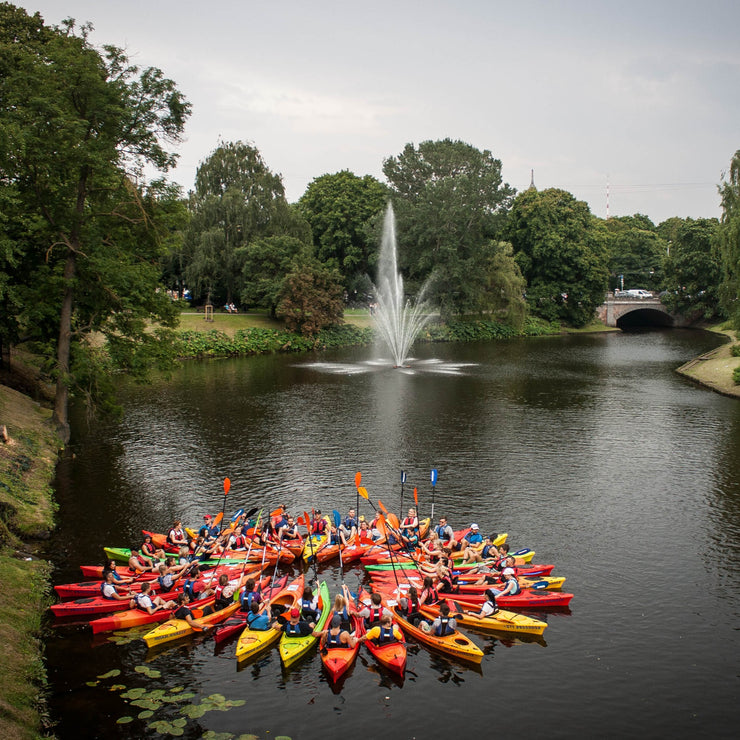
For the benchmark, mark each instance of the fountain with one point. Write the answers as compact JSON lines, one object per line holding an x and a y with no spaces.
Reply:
{"x":397,"y":320}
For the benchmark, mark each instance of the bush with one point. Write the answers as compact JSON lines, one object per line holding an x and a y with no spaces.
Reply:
{"x":735,"y":350}
{"x":736,"y":375}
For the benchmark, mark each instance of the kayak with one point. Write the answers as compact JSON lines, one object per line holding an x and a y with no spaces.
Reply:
{"x":89,"y":606}
{"x":525,"y":582}
{"x":337,"y":660}
{"x":237,"y":622}
{"x":527,"y":599}
{"x":293,"y":648}
{"x":233,"y":557}
{"x":174,"y":629}
{"x":501,"y":621}
{"x":392,"y":655}
{"x":85,"y":589}
{"x":251,"y":642}
{"x":531,"y":569}
{"x":455,"y":644}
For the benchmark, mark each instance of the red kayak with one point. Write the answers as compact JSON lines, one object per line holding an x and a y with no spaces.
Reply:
{"x":392,"y":655}
{"x":337,"y":660}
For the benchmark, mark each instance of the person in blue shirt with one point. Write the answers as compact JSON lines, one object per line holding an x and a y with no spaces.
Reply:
{"x":259,"y":620}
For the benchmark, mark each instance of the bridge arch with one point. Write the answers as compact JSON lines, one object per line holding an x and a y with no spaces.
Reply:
{"x":626,"y":312}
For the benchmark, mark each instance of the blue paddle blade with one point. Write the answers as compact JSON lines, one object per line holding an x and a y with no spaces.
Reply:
{"x":433,"y":477}
{"x":353,"y":595}
{"x":540,"y":584}
{"x":519,"y":553}
{"x":337,"y":518}
{"x":237,"y":514}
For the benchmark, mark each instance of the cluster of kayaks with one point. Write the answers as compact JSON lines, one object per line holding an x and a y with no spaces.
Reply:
{"x":392,"y":572}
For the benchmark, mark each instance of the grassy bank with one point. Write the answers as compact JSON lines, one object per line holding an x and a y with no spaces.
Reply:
{"x":27,"y":464}
{"x":716,"y":369}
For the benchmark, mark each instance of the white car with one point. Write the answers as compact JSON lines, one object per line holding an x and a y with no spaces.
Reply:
{"x":636,"y":293}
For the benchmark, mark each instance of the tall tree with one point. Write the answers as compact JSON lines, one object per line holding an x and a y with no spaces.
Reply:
{"x":692,"y":270}
{"x":237,"y":199}
{"x":450,"y":202}
{"x":338,"y":207}
{"x":561,"y":249}
{"x":728,"y":242}
{"x":77,"y":127}
{"x":636,"y":252}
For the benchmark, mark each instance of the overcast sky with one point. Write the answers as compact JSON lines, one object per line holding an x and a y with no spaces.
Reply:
{"x":641,"y":97}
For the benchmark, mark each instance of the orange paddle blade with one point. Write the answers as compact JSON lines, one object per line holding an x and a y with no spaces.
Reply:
{"x":358,"y":479}
{"x":382,"y":508}
{"x":218,"y":518}
{"x":227,"y":485}
{"x":362,"y":491}
{"x":381,"y":525}
{"x":416,"y":496}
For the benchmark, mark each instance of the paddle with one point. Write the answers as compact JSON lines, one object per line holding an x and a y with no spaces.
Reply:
{"x":310,"y":545}
{"x":382,"y":528}
{"x":227,"y":488}
{"x":358,"y":480}
{"x":403,"y":480}
{"x":433,"y":476}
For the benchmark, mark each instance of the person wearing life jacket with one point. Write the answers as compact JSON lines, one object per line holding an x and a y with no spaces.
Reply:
{"x":409,"y":529}
{"x":290,"y":530}
{"x":446,"y":534}
{"x":112,"y":567}
{"x":238,"y":540}
{"x":149,"y":603}
{"x":109,"y":589}
{"x":250,"y":595}
{"x":336,"y":537}
{"x":383,"y":633}
{"x":446,"y":581}
{"x":334,"y":636}
{"x":183,"y":611}
{"x":309,"y":605}
{"x":259,"y":617}
{"x":408,"y":606}
{"x":372,"y":614}
{"x":350,"y":525}
{"x":511,"y":587}
{"x":294,"y":626}
{"x":150,"y":550}
{"x":139,"y":564}
{"x":191,"y":585}
{"x":444,"y":624}
{"x":318,"y":525}
{"x":223,"y":593}
{"x":341,"y":607}
{"x":429,"y":594}
{"x":177,"y":537}
{"x":488,"y":607}
{"x":165,"y":579}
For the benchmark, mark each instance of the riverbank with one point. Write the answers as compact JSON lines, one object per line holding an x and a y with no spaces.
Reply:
{"x":715,"y":369}
{"x":27,"y":463}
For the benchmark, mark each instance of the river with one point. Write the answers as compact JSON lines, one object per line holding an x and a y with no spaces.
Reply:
{"x":589,"y":449}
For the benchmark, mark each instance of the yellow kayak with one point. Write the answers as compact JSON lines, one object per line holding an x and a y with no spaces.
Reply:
{"x":293,"y":648}
{"x":252,"y":641}
{"x":501,"y":621}
{"x":173,"y":629}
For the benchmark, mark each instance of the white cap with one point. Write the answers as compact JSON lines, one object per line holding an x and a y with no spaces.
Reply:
{"x":474,"y":526}
{"x":509,"y":572}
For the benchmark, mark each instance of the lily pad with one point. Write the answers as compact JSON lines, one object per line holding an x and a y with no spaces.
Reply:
{"x":145,"y":714}
{"x":124,"y":720}
{"x":145,"y":703}
{"x":111,"y":674}
{"x":117,"y":687}
{"x":134,"y":694}
{"x":211,"y":735}
{"x":91,"y":683}
{"x":166,"y":728}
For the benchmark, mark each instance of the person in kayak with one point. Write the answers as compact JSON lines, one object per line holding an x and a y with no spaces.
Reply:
{"x":446,"y":534}
{"x":408,"y":607}
{"x":109,"y":589}
{"x":335,"y":636}
{"x":310,"y":605}
{"x":238,"y":540}
{"x":138,"y":564}
{"x":444,"y":624}
{"x":385,"y":632}
{"x":112,"y":567}
{"x":223,"y":593}
{"x":318,"y":525}
{"x":488,"y":607}
{"x":341,"y":607}
{"x":409,"y":530}
{"x":290,"y":530}
{"x":149,"y":550}
{"x":294,"y":626}
{"x":373,"y":613}
{"x":148,"y":603}
{"x":432,"y":547}
{"x":511,"y":587}
{"x":250,"y":595}
{"x":259,"y":617}
{"x":429,"y":594}
{"x":350,"y":525}
{"x":177,"y":537}
{"x":166,"y":579}
{"x":183,"y":611}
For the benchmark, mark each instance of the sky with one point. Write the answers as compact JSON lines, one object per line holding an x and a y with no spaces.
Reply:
{"x":630,"y":106}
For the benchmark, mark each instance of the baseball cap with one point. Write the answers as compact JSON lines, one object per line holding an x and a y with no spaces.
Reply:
{"x":474,"y":526}
{"x":295,"y":612}
{"x":509,"y":572}
{"x":207,"y":516}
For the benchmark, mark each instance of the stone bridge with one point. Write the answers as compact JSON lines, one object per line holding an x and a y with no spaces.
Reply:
{"x":626,"y":311}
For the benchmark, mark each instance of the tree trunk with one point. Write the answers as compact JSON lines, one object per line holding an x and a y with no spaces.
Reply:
{"x":60,"y":417}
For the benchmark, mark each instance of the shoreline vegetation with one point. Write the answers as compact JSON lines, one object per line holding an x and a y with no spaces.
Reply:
{"x":28,"y":461}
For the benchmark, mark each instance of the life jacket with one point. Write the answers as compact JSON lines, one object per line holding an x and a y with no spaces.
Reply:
{"x":102,"y":590}
{"x":448,"y":584}
{"x":335,"y":539}
{"x":248,"y":599}
{"x":138,"y":599}
{"x":432,"y":596}
{"x":334,"y":640}
{"x":386,"y":635}
{"x":486,"y":549}
{"x":188,"y":588}
{"x":411,"y":607}
{"x":413,"y":531}
{"x":349,"y":522}
{"x":307,"y":607}
{"x":443,"y":628}
{"x":240,"y":542}
{"x":293,"y":630}
{"x":166,"y":582}
{"x":517,"y":587}
{"x":374,"y":618}
{"x":176,"y":537}
{"x":319,"y":526}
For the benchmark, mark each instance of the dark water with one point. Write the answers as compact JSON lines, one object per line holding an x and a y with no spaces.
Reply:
{"x":589,"y":449}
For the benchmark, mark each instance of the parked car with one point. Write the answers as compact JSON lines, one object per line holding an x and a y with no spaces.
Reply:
{"x":634,"y":293}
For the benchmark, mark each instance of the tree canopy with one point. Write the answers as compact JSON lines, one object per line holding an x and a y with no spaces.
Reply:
{"x":561,"y":249}
{"x":636,"y":252}
{"x":339,"y":207}
{"x":450,"y":202}
{"x":77,"y":127}
{"x":728,"y":242}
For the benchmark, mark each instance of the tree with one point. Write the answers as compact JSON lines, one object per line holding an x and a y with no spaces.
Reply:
{"x":728,"y":242}
{"x":450,"y":203}
{"x":77,"y":127}
{"x":266,"y":262}
{"x":692,"y":270}
{"x":338,"y":208}
{"x":636,"y":252}
{"x":561,"y":250}
{"x":237,"y":199}
{"x":312,"y":296}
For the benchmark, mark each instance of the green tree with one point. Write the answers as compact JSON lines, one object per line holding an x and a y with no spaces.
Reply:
{"x":450,"y":202}
{"x":692,"y":269}
{"x":77,"y":127}
{"x":338,"y":207}
{"x":266,"y":263}
{"x":728,"y":242}
{"x":561,"y":249}
{"x":312,"y":296}
{"x":636,"y":252}
{"x":237,"y":199}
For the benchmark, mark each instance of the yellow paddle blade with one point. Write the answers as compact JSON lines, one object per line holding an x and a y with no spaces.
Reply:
{"x":363,"y":492}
